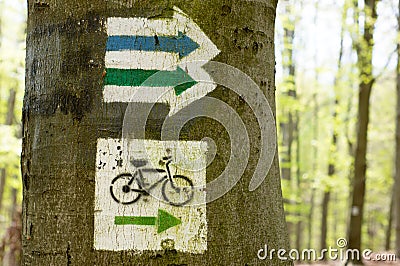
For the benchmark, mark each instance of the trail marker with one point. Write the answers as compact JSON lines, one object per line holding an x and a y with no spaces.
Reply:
{"x":137,"y":48}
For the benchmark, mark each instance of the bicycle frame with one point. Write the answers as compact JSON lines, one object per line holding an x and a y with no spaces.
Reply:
{"x":140,"y":178}
{"x":169,"y":186}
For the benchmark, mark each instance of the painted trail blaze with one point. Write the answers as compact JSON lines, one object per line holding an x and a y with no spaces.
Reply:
{"x":126,"y":76}
{"x":143,"y":224}
{"x":138,"y":48}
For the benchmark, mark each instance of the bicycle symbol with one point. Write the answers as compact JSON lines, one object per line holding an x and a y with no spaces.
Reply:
{"x":127,"y":188}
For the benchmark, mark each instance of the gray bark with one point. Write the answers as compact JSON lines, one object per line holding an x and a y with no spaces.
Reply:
{"x":64,"y":115}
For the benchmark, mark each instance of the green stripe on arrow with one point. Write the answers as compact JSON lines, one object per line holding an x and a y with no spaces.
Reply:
{"x":163,"y":221}
{"x":179,"y":79}
{"x":125,"y":220}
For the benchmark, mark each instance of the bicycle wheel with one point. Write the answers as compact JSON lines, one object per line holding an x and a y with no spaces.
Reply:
{"x":178,"y":193}
{"x":123,"y":192}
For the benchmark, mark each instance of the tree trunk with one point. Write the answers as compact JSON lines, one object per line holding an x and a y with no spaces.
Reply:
{"x":388,"y":240}
{"x":289,"y":69}
{"x":10,"y":118}
{"x":397,"y":162}
{"x":64,"y":117}
{"x":289,"y":126}
{"x":315,"y":137}
{"x":357,"y":207}
{"x":2,"y":186}
{"x":364,"y":52}
{"x":311,"y":219}
{"x":333,"y":150}
{"x":324,"y":222}
{"x":299,"y":224}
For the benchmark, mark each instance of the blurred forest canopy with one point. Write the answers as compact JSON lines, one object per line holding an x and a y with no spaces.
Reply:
{"x":318,"y":78}
{"x":12,"y":72}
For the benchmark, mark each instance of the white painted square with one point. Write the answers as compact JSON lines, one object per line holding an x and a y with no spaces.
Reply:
{"x":114,"y":158}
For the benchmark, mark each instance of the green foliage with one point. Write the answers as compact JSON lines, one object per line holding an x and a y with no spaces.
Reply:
{"x":318,"y":85}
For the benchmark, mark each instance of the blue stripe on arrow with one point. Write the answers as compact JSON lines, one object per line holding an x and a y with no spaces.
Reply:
{"x":181,"y":44}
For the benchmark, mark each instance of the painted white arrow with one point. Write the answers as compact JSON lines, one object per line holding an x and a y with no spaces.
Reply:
{"x":136,"y":59}
{"x":133,"y":43}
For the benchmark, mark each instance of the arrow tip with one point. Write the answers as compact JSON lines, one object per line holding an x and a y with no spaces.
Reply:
{"x":166,"y":221}
{"x":186,"y":45}
{"x":186,"y":82}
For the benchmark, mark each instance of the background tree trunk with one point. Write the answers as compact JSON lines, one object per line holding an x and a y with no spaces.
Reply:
{"x":396,"y":195}
{"x":9,"y":119}
{"x":2,"y":186}
{"x":289,"y":126}
{"x":334,"y":138}
{"x":364,"y":52}
{"x":289,"y":69}
{"x":388,"y":240}
{"x":64,"y":115}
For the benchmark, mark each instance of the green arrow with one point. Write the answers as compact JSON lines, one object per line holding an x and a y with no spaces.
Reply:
{"x":163,"y":221}
{"x":139,"y":77}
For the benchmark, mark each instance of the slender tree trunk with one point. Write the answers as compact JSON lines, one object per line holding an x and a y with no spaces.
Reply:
{"x":336,"y":213}
{"x":310,"y":219}
{"x":315,"y":137}
{"x":324,"y":223}
{"x":311,"y":230}
{"x":347,"y":120}
{"x":299,"y":224}
{"x":333,"y":149}
{"x":2,"y":171}
{"x":364,"y":53}
{"x":289,"y":69}
{"x":14,"y":202}
{"x":396,"y":194}
{"x":64,"y":115}
{"x":10,"y":118}
{"x":351,"y":153}
{"x":388,"y":240}
{"x":2,"y":186}
{"x":288,"y":127}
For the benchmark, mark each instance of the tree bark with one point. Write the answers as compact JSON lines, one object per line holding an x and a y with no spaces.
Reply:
{"x":64,"y":115}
